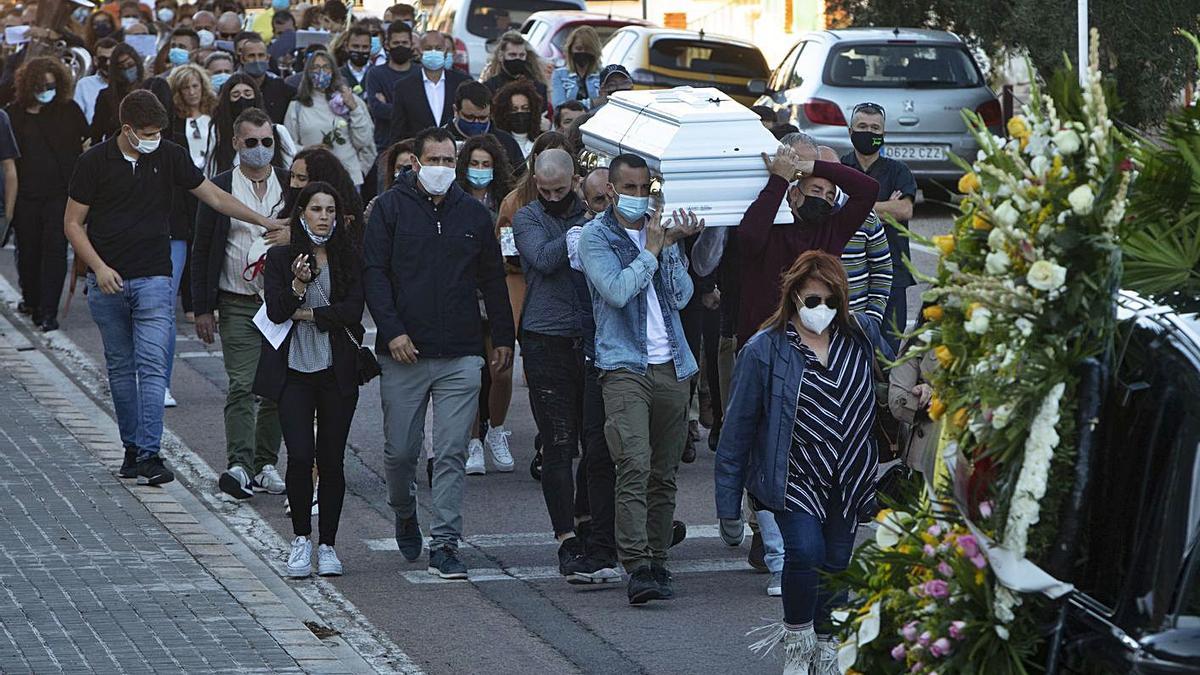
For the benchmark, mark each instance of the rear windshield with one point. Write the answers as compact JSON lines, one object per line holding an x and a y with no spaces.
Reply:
{"x":902,"y":65}
{"x":604,"y":31}
{"x":490,"y":19}
{"x":708,"y":57}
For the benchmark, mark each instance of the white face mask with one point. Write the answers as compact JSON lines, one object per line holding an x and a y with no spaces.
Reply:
{"x":436,"y":179}
{"x":818,"y":318}
{"x":142,"y":145}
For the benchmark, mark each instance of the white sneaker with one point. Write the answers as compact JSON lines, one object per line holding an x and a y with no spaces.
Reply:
{"x":235,"y":482}
{"x":475,"y":464}
{"x":169,"y":400}
{"x":299,"y":563}
{"x":775,"y":585}
{"x":270,"y":481}
{"x":497,"y":441}
{"x":328,"y":564}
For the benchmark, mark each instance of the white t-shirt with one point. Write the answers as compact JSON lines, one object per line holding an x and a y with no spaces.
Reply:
{"x":658,"y":345}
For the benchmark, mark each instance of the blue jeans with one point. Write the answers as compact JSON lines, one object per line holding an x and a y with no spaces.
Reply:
{"x":809,"y":548}
{"x":136,"y":325}
{"x":179,"y":254}
{"x":772,"y":540}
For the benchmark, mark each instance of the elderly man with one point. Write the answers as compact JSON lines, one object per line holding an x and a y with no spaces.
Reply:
{"x":204,"y":20}
{"x":595,"y":191}
{"x":229,"y":24}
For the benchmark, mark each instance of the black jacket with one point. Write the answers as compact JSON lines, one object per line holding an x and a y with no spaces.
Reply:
{"x":422,"y":266}
{"x":410,"y":107}
{"x":106,"y":119}
{"x":515,"y":159}
{"x":208,"y":245}
{"x":277,"y":94}
{"x":334,"y":319}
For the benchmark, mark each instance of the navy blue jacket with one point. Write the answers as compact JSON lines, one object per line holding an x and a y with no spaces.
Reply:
{"x":756,"y":434}
{"x":422,"y":266}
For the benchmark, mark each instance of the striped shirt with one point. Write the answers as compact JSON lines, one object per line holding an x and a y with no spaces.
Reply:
{"x":310,"y":350}
{"x":868,"y":263}
{"x":833,"y":447}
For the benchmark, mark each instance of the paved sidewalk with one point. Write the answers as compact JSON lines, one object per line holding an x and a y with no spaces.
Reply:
{"x":97,"y":574}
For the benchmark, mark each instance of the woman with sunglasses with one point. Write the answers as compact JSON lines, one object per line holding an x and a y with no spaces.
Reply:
{"x":798,"y":437}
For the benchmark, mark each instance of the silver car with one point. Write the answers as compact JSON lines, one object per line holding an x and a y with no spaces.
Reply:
{"x":921,"y":78}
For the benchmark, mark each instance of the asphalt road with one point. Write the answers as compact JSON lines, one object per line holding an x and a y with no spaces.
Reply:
{"x":516,"y":615}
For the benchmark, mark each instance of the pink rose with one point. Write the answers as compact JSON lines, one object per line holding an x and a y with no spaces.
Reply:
{"x":936,"y":588}
{"x":917,"y":667}
{"x":909,"y":631}
{"x":934,"y":530}
{"x":925,"y":639}
{"x":956,"y":629}
{"x":969,"y":546}
{"x":945,"y":570}
{"x":929,"y":551}
{"x":940,"y":648}
{"x":985,"y":509}
{"x":979,"y":561}
{"x":898,"y":652}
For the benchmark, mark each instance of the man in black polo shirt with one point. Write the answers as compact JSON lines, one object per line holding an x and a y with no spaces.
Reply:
{"x":897,"y":191}
{"x":122,"y":189}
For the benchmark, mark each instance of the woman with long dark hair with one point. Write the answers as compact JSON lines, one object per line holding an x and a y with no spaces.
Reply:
{"x":517,"y":109}
{"x":319,"y":165}
{"x":798,"y":436}
{"x":50,"y":130}
{"x":238,"y":94}
{"x":315,"y":282}
{"x":125,"y":73}
{"x":327,"y":113}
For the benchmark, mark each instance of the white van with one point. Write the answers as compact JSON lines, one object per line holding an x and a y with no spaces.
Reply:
{"x":476,"y":25}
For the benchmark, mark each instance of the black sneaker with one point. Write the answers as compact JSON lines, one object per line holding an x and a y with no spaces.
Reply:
{"x":663,"y":577}
{"x":678,"y":532}
{"x":48,"y":324}
{"x":595,"y":571}
{"x":429,"y":472}
{"x":642,"y":587}
{"x":757,"y":557}
{"x":714,"y":438}
{"x":445,"y":563}
{"x":570,"y":557}
{"x":408,"y":537}
{"x":152,"y":471}
{"x":689,"y":453}
{"x":129,"y":464}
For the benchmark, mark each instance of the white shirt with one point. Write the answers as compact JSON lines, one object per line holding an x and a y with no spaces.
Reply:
{"x":87,"y":89}
{"x":658,"y":345}
{"x":197,"y":129}
{"x":523,"y":142}
{"x":435,"y":93}
{"x":243,"y":235}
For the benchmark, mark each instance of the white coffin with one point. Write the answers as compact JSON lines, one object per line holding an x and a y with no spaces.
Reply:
{"x":706,"y":147}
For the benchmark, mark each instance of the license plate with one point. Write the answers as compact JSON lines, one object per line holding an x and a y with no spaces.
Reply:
{"x":920,"y":153}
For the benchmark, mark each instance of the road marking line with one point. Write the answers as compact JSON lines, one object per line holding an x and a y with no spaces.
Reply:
{"x":536,"y":538}
{"x":487,"y":574}
{"x":200,"y":355}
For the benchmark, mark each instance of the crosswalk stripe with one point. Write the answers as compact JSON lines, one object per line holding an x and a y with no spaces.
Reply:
{"x":488,"y":574}
{"x":536,"y":538}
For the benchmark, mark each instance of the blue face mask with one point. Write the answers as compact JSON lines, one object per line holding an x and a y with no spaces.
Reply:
{"x":433,"y":59}
{"x":479,"y":178}
{"x":130,"y":74}
{"x":320,"y":79}
{"x":177,"y":56}
{"x":219,"y":80}
{"x":46,"y":96}
{"x":376,"y":45}
{"x":632,"y":208}
{"x":471,"y":129}
{"x":279,"y":5}
{"x":255,"y":68}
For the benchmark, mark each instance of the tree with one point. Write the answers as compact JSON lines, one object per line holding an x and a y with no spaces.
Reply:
{"x":1148,"y":60}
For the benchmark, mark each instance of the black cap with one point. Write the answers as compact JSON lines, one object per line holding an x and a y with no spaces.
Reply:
{"x":613,"y":69}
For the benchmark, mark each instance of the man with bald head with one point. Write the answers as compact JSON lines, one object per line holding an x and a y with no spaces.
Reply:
{"x":426,"y":99}
{"x":595,"y":191}
{"x":204,"y":20}
{"x":557,"y":337}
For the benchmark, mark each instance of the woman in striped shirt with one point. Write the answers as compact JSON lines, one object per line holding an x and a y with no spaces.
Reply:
{"x":798,"y":437}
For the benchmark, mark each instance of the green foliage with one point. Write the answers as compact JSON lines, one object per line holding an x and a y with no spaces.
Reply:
{"x":1149,"y":61}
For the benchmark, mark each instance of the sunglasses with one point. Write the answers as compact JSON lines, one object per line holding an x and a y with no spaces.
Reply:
{"x":253,"y":142}
{"x":814,"y":301}
{"x":869,"y":108}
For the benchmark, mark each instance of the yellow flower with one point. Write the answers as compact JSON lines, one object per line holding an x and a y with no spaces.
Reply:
{"x":945,"y":243}
{"x":960,"y":418}
{"x":972,"y":307}
{"x":979,"y":577}
{"x":944,"y":355}
{"x":936,"y":408}
{"x":1018,"y":127}
{"x":933,"y":313}
{"x":883,"y":513}
{"x":1056,"y":166}
{"x":968,"y":183}
{"x":905,"y":549}
{"x":980,"y":223}
{"x":928,"y":539}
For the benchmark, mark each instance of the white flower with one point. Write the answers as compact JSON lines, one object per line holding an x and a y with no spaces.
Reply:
{"x":980,"y":318}
{"x":996,"y":239}
{"x":1001,"y":631}
{"x":1025,"y":326}
{"x":847,"y":655}
{"x":1039,"y":166}
{"x":869,"y":628}
{"x":1037,"y":145}
{"x":1046,"y":276}
{"x":997,"y":262}
{"x":341,"y":123}
{"x":890,"y":528}
{"x":1082,"y":199}
{"x":1006,"y":215}
{"x":1001,"y":415}
{"x":1004,"y":190}
{"x":1067,"y":142}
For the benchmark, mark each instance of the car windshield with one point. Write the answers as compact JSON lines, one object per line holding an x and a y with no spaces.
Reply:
{"x":604,"y":31}
{"x":902,"y":65}
{"x":490,"y":19}
{"x":709,"y":57}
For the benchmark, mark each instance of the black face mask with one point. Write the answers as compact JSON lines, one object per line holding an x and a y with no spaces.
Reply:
{"x":519,"y":122}
{"x":240,"y":106}
{"x":102,"y":29}
{"x":360,"y":59}
{"x":583,"y":60}
{"x":866,"y":142}
{"x":814,"y":211}
{"x":559,"y":208}
{"x":516,"y":67}
{"x":400,"y":55}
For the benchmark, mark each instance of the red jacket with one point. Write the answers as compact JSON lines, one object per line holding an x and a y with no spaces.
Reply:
{"x":767,"y":250}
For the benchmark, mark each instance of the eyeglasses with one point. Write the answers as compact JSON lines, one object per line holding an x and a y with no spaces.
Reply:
{"x":253,"y":142}
{"x":869,"y":108}
{"x":813,"y":301}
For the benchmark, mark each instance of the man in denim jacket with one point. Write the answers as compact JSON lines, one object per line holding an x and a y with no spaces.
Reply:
{"x":639,"y":282}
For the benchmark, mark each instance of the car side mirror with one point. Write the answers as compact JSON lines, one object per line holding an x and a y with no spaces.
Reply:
{"x":757,"y":87}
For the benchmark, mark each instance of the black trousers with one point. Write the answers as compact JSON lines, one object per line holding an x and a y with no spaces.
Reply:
{"x":41,"y":253}
{"x":702,"y":328}
{"x":599,"y":468}
{"x":554,"y":371}
{"x":305,"y":395}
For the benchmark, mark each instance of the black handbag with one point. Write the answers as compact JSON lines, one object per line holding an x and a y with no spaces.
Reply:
{"x":366,"y":366}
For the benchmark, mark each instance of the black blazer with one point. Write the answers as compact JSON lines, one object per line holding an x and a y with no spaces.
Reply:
{"x":277,"y":94}
{"x":333,"y":319}
{"x":208,"y":245}
{"x":410,"y":107}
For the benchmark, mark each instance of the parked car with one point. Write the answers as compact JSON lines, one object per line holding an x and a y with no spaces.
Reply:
{"x":923,"y":79}
{"x":548,"y":31}
{"x":476,"y":25}
{"x":661,"y":58}
{"x":1136,"y":603}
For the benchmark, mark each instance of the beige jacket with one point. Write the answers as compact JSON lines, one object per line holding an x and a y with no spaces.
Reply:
{"x":918,"y":438}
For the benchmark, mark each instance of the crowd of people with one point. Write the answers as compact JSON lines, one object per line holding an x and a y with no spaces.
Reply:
{"x":276,"y":191}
